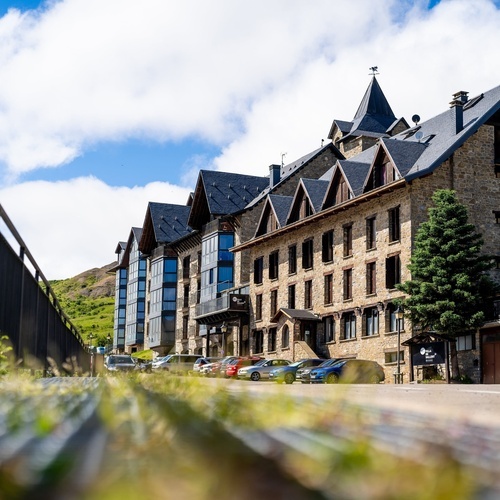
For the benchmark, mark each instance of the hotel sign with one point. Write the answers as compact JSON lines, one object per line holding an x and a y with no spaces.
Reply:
{"x":432,"y":353}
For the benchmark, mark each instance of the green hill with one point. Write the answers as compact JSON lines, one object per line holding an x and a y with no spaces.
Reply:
{"x":88,"y":300}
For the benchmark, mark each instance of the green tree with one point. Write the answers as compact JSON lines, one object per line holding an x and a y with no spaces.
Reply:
{"x":449,"y":287}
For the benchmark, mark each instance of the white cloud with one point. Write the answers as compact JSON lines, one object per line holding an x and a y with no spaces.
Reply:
{"x":257,"y":78}
{"x":71,"y":226}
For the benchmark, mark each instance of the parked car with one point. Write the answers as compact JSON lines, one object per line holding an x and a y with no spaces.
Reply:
{"x":215,"y":369}
{"x":202,"y":362}
{"x":119,"y":362}
{"x":287,"y":373}
{"x":303,"y":374}
{"x":176,"y":363}
{"x":261,"y":369}
{"x":349,"y":371}
{"x":233,"y":366}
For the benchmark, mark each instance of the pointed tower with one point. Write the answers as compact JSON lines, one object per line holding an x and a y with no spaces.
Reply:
{"x":373,"y":119}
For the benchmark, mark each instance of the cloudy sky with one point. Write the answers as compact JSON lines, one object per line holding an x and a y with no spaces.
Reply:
{"x":108,"y":104}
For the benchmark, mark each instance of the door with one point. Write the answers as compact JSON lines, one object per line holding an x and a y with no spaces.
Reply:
{"x":491,"y":357}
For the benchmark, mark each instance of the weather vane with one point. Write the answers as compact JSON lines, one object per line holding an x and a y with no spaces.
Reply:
{"x":374,"y":70}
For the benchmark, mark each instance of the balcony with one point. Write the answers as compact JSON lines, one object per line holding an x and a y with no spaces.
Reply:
{"x":222,"y":308}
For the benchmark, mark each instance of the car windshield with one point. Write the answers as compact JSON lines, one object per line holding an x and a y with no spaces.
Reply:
{"x":262,"y":362}
{"x":120,"y":360}
{"x":328,"y":362}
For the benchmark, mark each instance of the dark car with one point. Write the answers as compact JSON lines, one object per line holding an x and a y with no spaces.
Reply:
{"x":120,"y":362}
{"x":287,"y":373}
{"x":303,"y":374}
{"x":349,"y":371}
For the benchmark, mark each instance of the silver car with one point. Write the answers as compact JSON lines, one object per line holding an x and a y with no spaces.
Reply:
{"x":261,"y":369}
{"x":120,"y":362}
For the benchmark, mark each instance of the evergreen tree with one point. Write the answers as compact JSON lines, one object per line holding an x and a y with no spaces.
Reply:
{"x":449,"y":287}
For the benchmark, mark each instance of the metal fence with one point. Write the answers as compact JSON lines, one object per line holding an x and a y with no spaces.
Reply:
{"x":30,"y":314}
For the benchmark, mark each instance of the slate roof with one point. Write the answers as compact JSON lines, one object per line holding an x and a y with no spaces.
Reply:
{"x":281,"y":205}
{"x":439,"y":133}
{"x":223,"y":193}
{"x":292,"y":168}
{"x":316,"y":190}
{"x":373,"y":118}
{"x":355,"y":173}
{"x":169,"y":221}
{"x":295,"y":314}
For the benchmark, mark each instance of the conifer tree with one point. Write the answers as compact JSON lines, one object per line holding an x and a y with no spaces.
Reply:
{"x":449,"y":286}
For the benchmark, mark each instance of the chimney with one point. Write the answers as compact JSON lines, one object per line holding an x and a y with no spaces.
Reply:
{"x":274,"y":175}
{"x":457,"y":106}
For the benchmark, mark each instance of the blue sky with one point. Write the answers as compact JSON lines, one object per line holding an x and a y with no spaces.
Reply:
{"x":104,"y":106}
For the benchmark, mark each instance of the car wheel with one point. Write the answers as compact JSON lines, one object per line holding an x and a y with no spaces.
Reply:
{"x":332,"y":378}
{"x":289,"y":378}
{"x":255,"y":376}
{"x":374,"y":379}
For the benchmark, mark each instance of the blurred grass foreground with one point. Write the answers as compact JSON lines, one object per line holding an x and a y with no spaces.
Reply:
{"x":157,"y":436}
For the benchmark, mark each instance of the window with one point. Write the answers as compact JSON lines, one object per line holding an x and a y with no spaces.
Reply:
{"x":392,"y":357}
{"x":394,"y":224}
{"x":371,"y":233}
{"x":348,"y":284}
{"x":273,"y":265}
{"x":285,"y":337}
{"x":272,"y":223}
{"x":259,"y":340}
{"x":308,"y":294}
{"x":341,"y":191}
{"x":392,"y":271}
{"x":258,"y":307}
{"x":185,"y":320}
{"x":348,"y":240}
{"x":392,"y":321}
{"x":466,"y":342}
{"x":305,"y":207}
{"x":496,"y":213}
{"x":307,"y":254}
{"x":292,"y":259}
{"x":349,"y":330}
{"x":274,"y":302}
{"x":328,"y":294}
{"x":186,"y":262}
{"x":258,"y":267}
{"x":371,"y":317}
{"x":271,"y":340}
{"x":371,"y":278}
{"x":327,"y":246}
{"x":291,"y":296}
{"x":185,"y":302}
{"x":329,"y":328}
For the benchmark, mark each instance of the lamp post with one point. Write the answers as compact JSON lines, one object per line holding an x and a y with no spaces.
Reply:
{"x":223,"y":329}
{"x":399,"y":313}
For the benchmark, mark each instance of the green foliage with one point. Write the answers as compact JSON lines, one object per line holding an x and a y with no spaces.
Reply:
{"x":449,"y":286}
{"x":5,"y":348}
{"x":88,"y":301}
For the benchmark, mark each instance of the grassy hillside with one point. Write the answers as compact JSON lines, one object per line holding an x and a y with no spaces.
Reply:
{"x":88,"y":300}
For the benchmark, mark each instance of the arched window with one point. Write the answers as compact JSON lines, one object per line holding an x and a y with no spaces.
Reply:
{"x":285,"y":337}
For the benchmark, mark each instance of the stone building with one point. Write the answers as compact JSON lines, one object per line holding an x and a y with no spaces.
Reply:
{"x":327,"y":258}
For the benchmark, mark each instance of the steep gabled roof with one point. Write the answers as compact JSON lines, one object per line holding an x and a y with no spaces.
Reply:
{"x":135,"y":234}
{"x":222,"y":193}
{"x":315,"y":190}
{"x":279,"y":206}
{"x":164,"y":223}
{"x":294,"y":168}
{"x":374,"y":117}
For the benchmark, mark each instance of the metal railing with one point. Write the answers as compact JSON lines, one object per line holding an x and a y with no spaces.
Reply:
{"x":30,"y":314}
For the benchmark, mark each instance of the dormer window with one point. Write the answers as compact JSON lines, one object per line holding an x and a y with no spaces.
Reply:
{"x":305,"y":208}
{"x":341,"y":191}
{"x":272,"y":223}
{"x":383,"y":173}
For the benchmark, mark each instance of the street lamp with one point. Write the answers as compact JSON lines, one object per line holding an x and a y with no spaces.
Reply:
{"x":399,"y":313}
{"x":223,"y":329}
